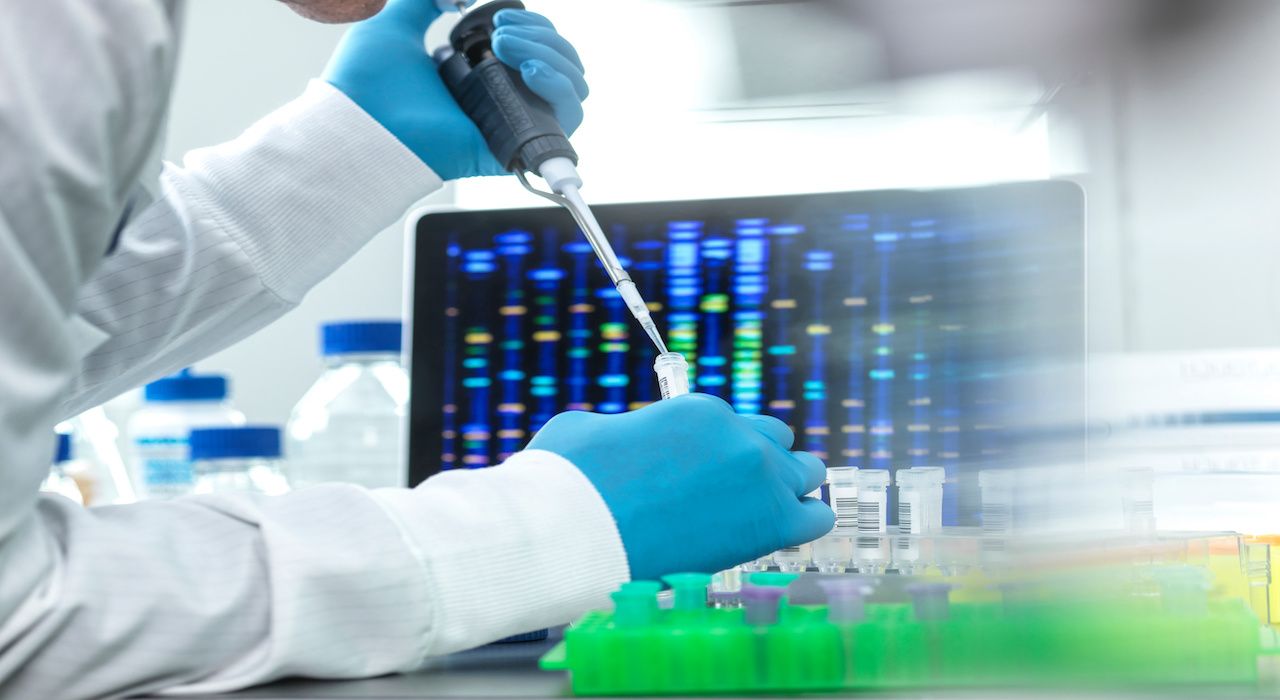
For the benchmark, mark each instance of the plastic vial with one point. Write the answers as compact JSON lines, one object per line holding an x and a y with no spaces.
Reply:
{"x":173,"y":406}
{"x":833,"y":552}
{"x":1136,"y":500}
{"x":762,"y":603}
{"x":349,"y":426}
{"x":870,"y":551}
{"x":930,"y":601}
{"x":920,"y":500}
{"x":798,"y":557}
{"x":243,"y":459}
{"x":673,"y":374}
{"x":846,"y":598}
{"x":57,"y":481}
{"x":996,"y":487}
{"x":842,"y":485}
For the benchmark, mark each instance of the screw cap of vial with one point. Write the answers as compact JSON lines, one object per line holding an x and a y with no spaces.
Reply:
{"x":872,"y":478}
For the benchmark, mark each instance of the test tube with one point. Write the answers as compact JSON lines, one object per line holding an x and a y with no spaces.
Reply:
{"x":673,"y":374}
{"x":1137,"y":486}
{"x":846,"y":598}
{"x":873,"y":485}
{"x":843,"y":486}
{"x":920,"y":500}
{"x":797,"y":557}
{"x":996,"y":487}
{"x":762,"y":603}
{"x":930,"y":600}
{"x":833,"y":552}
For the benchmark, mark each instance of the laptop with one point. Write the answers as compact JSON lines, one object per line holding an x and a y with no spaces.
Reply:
{"x":890,"y":329}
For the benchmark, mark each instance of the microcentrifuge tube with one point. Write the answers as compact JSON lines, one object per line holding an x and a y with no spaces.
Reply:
{"x":871,"y":554}
{"x":797,"y":557}
{"x":846,"y":598}
{"x":996,"y":487}
{"x":833,"y":552}
{"x":1136,"y":500}
{"x":920,"y":500}
{"x":762,"y":603}
{"x":673,"y":374}
{"x":842,"y":485}
{"x":930,"y":600}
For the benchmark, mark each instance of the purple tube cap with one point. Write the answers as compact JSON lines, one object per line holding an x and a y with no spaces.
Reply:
{"x":762,"y":594}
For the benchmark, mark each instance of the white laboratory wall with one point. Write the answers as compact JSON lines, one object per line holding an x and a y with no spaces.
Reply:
{"x":1185,"y":161}
{"x":241,"y":59}
{"x":645,"y":138}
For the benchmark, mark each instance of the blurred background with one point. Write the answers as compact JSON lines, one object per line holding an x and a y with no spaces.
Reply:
{"x":1159,"y":109}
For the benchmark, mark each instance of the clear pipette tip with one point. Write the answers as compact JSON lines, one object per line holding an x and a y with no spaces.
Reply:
{"x":652,"y":330}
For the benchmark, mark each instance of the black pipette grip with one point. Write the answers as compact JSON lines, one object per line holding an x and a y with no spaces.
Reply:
{"x":520,"y":127}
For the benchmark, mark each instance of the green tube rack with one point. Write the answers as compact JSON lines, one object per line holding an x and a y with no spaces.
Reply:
{"x":1103,"y":644}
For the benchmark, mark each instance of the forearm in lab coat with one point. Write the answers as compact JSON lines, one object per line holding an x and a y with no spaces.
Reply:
{"x":241,"y":232}
{"x":221,"y":592}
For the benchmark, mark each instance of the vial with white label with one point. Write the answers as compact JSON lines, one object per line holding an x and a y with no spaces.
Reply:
{"x":919,"y":513}
{"x":871,"y":555}
{"x":920,"y":500}
{"x":842,"y":485}
{"x":673,"y":374}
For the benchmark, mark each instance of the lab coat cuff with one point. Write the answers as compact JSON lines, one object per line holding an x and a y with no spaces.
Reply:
{"x":514,"y":548}
{"x":306,"y":187}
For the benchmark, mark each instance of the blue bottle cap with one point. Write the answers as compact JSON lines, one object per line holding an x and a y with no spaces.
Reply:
{"x":185,"y":386}
{"x":240,"y":442}
{"x":63,"y":453}
{"x":346,"y":337}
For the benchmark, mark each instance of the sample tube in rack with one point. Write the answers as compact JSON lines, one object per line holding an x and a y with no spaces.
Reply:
{"x":996,"y":488}
{"x":797,"y":558}
{"x":871,"y":555}
{"x":833,"y":552}
{"x":842,"y":485}
{"x":920,"y":500}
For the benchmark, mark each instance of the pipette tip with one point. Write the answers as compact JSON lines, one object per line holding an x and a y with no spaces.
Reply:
{"x":651,"y":329}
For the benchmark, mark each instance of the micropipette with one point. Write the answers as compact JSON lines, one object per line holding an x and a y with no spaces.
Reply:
{"x":524,"y":135}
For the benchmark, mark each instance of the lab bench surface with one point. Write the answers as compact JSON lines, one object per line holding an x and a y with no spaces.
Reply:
{"x":495,"y":671}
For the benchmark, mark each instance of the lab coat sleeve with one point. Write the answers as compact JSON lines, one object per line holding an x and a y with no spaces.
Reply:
{"x":240,"y":233}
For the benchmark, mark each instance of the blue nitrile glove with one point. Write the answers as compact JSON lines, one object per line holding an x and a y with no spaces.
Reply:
{"x":692,"y":485}
{"x":382,"y":65}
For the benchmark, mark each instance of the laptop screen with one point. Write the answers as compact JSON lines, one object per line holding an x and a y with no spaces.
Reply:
{"x":890,"y":329}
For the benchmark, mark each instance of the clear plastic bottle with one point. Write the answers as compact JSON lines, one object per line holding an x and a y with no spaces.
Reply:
{"x":243,"y":459}
{"x":159,"y":455}
{"x":349,"y":425}
{"x":58,"y":482}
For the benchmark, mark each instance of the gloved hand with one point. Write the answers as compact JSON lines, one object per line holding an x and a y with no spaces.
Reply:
{"x":693,"y":486}
{"x":383,"y":66}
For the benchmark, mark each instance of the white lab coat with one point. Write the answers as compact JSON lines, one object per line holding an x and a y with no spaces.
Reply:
{"x":215,"y":593}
